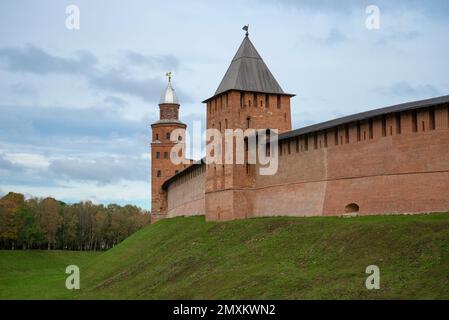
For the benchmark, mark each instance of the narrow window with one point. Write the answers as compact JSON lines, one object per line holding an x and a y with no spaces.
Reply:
{"x":241,"y":99}
{"x":261,"y":103}
{"x":219,"y":126}
{"x":158,"y":155}
{"x":336,"y":136}
{"x":288,"y":146}
{"x":278,"y":103}
{"x":432,"y":119}
{"x":157,"y":136}
{"x":423,"y":126}
{"x":347,"y":133}
{"x":247,"y":168}
{"x":414,"y":121}
{"x":398,"y":123}
{"x":159,"y":173}
{"x":325,"y":139}
{"x":266,"y":101}
{"x":358,"y":131}
{"x":226,"y":123}
{"x":391,"y":130}
{"x":249,"y":103}
{"x":306,"y":143}
{"x":297,"y":144}
{"x":165,"y":155}
{"x":255,"y":99}
{"x":370,"y":128}
{"x":227,"y":94}
{"x":384,"y":126}
{"x":315,"y":141}
{"x":248,"y":122}
{"x":167,"y":135}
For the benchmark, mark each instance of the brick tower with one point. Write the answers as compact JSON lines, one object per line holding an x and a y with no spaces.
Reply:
{"x":248,"y":97}
{"x":162,"y":143}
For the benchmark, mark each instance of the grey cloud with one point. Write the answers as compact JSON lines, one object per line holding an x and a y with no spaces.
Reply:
{"x":398,"y":36}
{"x":334,"y":36}
{"x":148,"y":89}
{"x":163,"y":62}
{"x":406,"y":90}
{"x":115,"y":101}
{"x":103,"y":170}
{"x":32,"y":59}
{"x":6,"y":165}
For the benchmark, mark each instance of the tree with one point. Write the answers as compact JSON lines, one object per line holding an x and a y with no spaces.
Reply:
{"x":8,"y":223}
{"x":49,"y":220}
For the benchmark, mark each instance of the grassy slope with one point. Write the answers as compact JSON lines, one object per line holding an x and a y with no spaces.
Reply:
{"x":279,"y":258}
{"x":37,"y":274}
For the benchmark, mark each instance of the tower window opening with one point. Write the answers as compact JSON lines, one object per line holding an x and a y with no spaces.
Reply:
{"x":226,"y":123}
{"x":266,"y":101}
{"x":241,"y":99}
{"x":423,"y":126}
{"x":336,"y":136}
{"x":255,"y":100}
{"x":297,"y":144}
{"x":157,"y":136}
{"x":347,"y":134}
{"x":358,"y":131}
{"x":219,"y":125}
{"x":325,"y":139}
{"x":432,"y":119}
{"x":261,"y":103}
{"x":391,"y":130}
{"x":315,"y":141}
{"x":165,"y":155}
{"x":167,"y":135}
{"x":278,"y":102}
{"x":370,"y":128}
{"x":414,"y":121}
{"x":306,"y":143}
{"x":159,"y":173}
{"x":158,"y":155}
{"x":288,"y":147}
{"x":248,"y":122}
{"x":249,"y":103}
{"x":247,"y":168}
{"x":384,"y":126}
{"x":398,"y":123}
{"x":227,"y":95}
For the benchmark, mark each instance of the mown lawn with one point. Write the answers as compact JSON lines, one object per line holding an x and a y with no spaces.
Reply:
{"x":38,"y":274}
{"x":264,"y":258}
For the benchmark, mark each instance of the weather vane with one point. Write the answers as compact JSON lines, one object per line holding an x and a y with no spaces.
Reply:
{"x":169,"y":75}
{"x":246,"y":28}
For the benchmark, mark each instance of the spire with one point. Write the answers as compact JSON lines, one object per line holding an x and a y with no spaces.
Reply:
{"x":169,"y":95}
{"x":248,"y":72}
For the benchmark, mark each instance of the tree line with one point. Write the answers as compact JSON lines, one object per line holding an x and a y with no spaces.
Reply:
{"x":51,"y":224}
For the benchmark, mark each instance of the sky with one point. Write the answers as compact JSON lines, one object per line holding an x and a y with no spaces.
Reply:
{"x":76,"y":104}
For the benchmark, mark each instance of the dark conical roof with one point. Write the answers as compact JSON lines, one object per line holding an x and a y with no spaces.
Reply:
{"x":248,"y":72}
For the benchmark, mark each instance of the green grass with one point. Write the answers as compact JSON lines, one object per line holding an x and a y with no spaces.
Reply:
{"x":266,"y":258}
{"x":38,"y":274}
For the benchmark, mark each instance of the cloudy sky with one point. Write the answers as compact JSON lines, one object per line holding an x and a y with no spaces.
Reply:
{"x":76,"y":105}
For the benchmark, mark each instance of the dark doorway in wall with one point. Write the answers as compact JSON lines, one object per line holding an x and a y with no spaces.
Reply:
{"x":352,"y":208}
